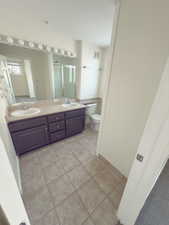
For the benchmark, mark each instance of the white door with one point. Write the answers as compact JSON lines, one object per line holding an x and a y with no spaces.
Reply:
{"x":154,"y":147}
{"x":10,"y":197}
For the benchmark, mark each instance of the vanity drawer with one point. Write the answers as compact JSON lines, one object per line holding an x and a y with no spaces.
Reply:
{"x":57,"y":136}
{"x":56,"y":117}
{"x":28,"y":123}
{"x":55,"y":126}
{"x":75,"y":113}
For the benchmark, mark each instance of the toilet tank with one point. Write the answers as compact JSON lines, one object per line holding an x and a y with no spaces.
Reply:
{"x":90,"y":109}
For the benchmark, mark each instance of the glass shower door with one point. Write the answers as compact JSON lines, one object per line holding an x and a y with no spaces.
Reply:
{"x":64,"y":80}
{"x":69,"y":81}
{"x":5,"y":80}
{"x":58,"y":80}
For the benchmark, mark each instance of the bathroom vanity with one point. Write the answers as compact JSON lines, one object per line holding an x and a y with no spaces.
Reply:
{"x":40,"y":130}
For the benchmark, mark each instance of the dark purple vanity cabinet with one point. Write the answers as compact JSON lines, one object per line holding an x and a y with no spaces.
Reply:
{"x":75,"y":121}
{"x":30,"y":139}
{"x":29,"y":134}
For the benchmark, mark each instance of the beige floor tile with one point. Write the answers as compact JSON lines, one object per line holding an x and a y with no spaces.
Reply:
{"x":88,"y":142}
{"x":78,"y":176}
{"x":115,"y":197}
{"x":94,"y":165}
{"x":91,"y":195}
{"x":47,"y":156}
{"x":69,"y":162}
{"x":39,"y":204}
{"x":53,"y":171}
{"x":57,"y":146}
{"x":72,"y":211}
{"x":32,"y":186}
{"x":88,"y":222}
{"x":28,"y":159}
{"x":117,"y":173}
{"x":30,"y":171}
{"x":60,"y":189}
{"x":120,"y":187}
{"x":105,"y":214}
{"x":106,"y":180}
{"x":74,"y":146}
{"x":65,"y":149}
{"x":49,"y":219}
{"x":83,"y":154}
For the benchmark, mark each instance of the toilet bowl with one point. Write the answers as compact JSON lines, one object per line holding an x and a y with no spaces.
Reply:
{"x":95,"y":121}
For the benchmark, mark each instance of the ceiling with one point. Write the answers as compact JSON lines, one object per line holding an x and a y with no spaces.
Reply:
{"x":89,"y":20}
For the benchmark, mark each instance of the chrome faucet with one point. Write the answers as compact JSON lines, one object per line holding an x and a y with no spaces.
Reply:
{"x":25,"y":106}
{"x":67,"y":101}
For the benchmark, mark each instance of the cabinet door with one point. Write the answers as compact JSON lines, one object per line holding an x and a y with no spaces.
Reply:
{"x":30,"y":139}
{"x":74,"y":125}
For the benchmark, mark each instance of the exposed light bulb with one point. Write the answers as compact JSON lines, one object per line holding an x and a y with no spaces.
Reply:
{"x":10,"y":40}
{"x":21,"y":42}
{"x":40,"y":46}
{"x":48,"y":48}
{"x":31,"y":44}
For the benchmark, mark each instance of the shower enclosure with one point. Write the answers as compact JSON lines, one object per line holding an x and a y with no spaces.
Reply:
{"x":64,"y":80}
{"x":6,"y":88}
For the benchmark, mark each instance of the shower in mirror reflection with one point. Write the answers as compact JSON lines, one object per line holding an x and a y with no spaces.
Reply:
{"x":64,"y":80}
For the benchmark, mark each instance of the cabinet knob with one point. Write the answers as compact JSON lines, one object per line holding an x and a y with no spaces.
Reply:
{"x":57,"y":118}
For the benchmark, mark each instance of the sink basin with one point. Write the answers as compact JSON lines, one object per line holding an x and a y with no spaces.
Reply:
{"x":26,"y":112}
{"x":71,"y":104}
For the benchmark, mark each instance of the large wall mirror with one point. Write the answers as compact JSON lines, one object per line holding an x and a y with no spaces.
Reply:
{"x":38,"y":75}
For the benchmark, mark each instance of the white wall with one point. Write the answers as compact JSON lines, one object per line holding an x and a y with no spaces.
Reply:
{"x":90,"y":75}
{"x":103,"y":74}
{"x":141,"y":50}
{"x":39,"y":64}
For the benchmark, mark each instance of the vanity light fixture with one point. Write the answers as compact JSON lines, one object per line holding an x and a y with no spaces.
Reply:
{"x":10,"y":40}
{"x":31,"y":44}
{"x":48,"y":48}
{"x":69,"y":53}
{"x":73,"y":54}
{"x":40,"y":46}
{"x":62,"y":52}
{"x":56,"y":50}
{"x":21,"y":42}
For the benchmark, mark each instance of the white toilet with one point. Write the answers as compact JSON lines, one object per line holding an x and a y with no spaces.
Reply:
{"x":95,"y":121}
{"x":92,"y":118}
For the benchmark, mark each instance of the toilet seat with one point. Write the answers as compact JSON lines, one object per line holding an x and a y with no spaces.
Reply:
{"x":96,"y":117}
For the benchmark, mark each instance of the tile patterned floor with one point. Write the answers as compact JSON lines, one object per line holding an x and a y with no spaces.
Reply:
{"x":66,"y":184}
